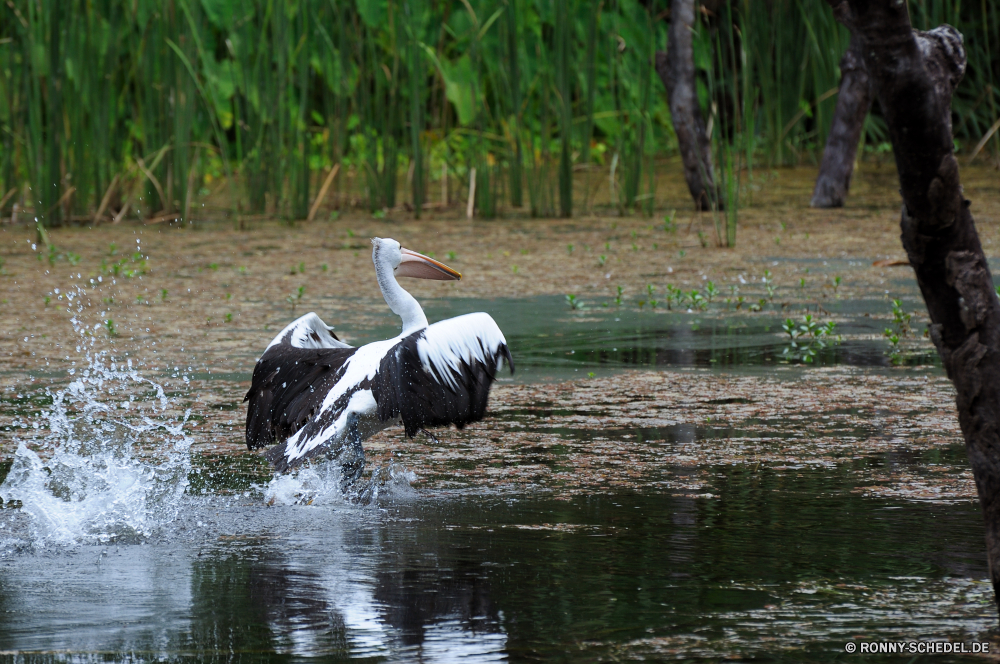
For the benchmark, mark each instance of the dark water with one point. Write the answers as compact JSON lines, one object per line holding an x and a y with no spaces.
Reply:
{"x":763,"y":564}
{"x":775,"y":566}
{"x":550,"y":341}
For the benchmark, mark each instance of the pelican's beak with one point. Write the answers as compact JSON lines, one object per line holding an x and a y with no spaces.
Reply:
{"x":419,"y":266}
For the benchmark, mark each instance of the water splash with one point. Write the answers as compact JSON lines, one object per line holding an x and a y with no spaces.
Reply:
{"x":321,"y":483}
{"x":113,"y":462}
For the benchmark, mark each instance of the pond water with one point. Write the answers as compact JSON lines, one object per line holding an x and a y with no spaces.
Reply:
{"x":125,"y":536}
{"x":553,"y":342}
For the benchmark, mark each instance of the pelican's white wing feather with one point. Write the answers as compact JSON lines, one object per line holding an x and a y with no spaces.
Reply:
{"x":307,"y":331}
{"x":447,"y":346}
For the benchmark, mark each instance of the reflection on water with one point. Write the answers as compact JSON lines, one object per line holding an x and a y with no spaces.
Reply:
{"x":178,"y":555}
{"x":550,"y":341}
{"x":773,"y":562}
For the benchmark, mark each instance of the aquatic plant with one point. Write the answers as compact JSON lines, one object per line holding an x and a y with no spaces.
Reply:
{"x":697,"y":300}
{"x":574,"y":303}
{"x":668,"y":222}
{"x":674,"y":296}
{"x":900,"y":330}
{"x":295,"y":298}
{"x":900,"y":318}
{"x":768,"y":281}
{"x":807,"y":338}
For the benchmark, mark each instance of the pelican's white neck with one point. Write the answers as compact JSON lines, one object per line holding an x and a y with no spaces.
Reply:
{"x":402,"y":303}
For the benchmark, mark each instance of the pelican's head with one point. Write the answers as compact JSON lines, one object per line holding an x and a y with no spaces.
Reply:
{"x":406,"y":263}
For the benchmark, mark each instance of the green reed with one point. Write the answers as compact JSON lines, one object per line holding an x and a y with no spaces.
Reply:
{"x":153,"y":108}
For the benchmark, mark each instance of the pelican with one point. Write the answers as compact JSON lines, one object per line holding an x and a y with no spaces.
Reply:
{"x":311,"y":393}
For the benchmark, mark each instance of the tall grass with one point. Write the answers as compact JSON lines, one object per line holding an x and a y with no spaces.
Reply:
{"x":115,"y":109}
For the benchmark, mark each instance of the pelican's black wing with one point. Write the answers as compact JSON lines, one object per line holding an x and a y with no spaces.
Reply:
{"x":442,"y":374}
{"x":291,"y":379}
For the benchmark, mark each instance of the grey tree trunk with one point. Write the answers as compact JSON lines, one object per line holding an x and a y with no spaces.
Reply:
{"x":914,"y":75}
{"x":676,"y":70}
{"x":853,"y":103}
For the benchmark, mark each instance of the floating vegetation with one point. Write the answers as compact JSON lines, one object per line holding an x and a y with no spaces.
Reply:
{"x":807,"y":339}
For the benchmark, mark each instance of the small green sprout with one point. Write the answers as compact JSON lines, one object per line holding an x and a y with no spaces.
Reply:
{"x":668,"y":222}
{"x":514,"y":269}
{"x":213,"y":266}
{"x":601,"y":260}
{"x":836,"y":283}
{"x":296,"y":297}
{"x":618,"y":297}
{"x":674,"y":296}
{"x":47,"y":301}
{"x":711,"y":292}
{"x":109,"y":325}
{"x":697,"y":300}
{"x":574,"y":303}
{"x":452,"y":255}
{"x":163,"y":294}
{"x":324,"y":267}
{"x":229,"y":318}
{"x":768,"y":282}
{"x":569,"y":249}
